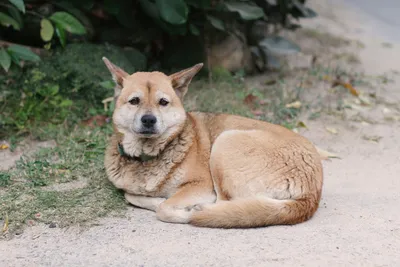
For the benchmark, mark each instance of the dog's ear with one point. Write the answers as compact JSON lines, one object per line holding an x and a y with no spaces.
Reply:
{"x":118,"y":76}
{"x":181,"y":80}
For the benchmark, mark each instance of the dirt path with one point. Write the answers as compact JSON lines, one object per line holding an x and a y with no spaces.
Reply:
{"x":358,"y":222}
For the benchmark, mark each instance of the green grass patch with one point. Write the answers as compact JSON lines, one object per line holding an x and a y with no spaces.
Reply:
{"x":64,"y":185}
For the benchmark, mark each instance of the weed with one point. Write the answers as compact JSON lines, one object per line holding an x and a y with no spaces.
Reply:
{"x":5,"y":178}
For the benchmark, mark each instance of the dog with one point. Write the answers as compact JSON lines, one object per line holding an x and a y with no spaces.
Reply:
{"x":207,"y":170}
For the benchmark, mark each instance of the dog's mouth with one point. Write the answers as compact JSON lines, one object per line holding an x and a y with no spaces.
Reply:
{"x":147,"y":133}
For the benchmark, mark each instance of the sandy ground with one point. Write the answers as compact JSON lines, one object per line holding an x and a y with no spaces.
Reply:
{"x":358,"y":223}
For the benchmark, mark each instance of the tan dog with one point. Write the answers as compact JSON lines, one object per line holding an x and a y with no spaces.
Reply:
{"x":206,"y":169}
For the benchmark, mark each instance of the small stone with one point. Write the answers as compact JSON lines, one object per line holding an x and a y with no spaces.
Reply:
{"x":52,"y":225}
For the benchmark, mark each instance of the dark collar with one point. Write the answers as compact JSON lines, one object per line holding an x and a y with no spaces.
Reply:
{"x":141,"y":158}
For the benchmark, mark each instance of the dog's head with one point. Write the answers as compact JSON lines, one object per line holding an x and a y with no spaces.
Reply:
{"x":149,"y":104}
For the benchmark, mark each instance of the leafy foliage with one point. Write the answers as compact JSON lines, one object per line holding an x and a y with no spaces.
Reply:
{"x":68,"y":84}
{"x":160,"y":34}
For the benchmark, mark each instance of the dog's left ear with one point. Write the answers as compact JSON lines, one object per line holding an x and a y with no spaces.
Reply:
{"x":181,"y":80}
{"x":118,"y":76}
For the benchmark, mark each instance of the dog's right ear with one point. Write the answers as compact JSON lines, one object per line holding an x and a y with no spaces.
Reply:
{"x":118,"y":76}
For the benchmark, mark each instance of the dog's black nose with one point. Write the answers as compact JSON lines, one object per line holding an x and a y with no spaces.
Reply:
{"x":148,"y":121}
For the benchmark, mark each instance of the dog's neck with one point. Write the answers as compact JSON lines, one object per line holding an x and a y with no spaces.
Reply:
{"x":146,"y":149}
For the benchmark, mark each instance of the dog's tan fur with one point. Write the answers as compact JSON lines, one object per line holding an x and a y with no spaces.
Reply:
{"x":210,"y":170}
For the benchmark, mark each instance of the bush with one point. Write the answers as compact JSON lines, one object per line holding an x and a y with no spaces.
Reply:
{"x":156,"y":34}
{"x":151,"y":26}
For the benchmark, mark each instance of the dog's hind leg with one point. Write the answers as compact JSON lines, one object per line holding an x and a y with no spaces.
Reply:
{"x":149,"y":203}
{"x":180,"y":207}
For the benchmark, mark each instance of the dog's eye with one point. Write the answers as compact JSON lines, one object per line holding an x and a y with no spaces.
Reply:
{"x":134,"y":101}
{"x":163,"y":102}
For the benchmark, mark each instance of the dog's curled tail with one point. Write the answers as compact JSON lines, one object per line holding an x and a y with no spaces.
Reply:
{"x":254,"y":212}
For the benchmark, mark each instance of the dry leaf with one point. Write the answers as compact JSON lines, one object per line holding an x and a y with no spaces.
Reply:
{"x":327,"y":78}
{"x":296,"y":104}
{"x":332,"y":130}
{"x":3,"y":146}
{"x":372,"y":138}
{"x":270,"y":82}
{"x":5,"y":225}
{"x":250,"y":99}
{"x":325,"y":154}
{"x":346,"y":85}
{"x":365,"y":100}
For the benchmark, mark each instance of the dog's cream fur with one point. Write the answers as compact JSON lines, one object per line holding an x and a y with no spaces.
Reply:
{"x":209,"y":170}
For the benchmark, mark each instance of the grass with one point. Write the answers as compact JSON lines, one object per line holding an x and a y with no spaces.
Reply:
{"x":38,"y":190}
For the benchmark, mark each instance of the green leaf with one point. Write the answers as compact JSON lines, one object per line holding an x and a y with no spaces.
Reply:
{"x":246,"y":11}
{"x":107,"y":84}
{"x":66,"y":103}
{"x":112,"y":6}
{"x":47,"y":30}
{"x":216,"y":22}
{"x":173,"y":11}
{"x":15,"y":59}
{"x":61,"y":35}
{"x":8,"y":21}
{"x":203,"y":4}
{"x":5,"y":59}
{"x":19,"y":4}
{"x":23,"y":53}
{"x":15,"y":14}
{"x":68,"y":22}
{"x":277,"y":45}
{"x":303,"y":10}
{"x":194,"y":30}
{"x":150,"y":9}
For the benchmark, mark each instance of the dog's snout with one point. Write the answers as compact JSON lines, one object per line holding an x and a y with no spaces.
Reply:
{"x":148,"y":121}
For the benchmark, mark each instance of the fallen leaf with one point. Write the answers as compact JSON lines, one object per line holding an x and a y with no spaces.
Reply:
{"x":5,"y":225}
{"x":302,"y":125}
{"x":3,"y":146}
{"x":346,"y":85}
{"x":364,"y":100}
{"x":372,"y":138}
{"x":325,"y":154}
{"x":270,"y":82}
{"x":250,"y":99}
{"x":332,"y":130}
{"x":296,"y":105}
{"x":327,"y":78}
